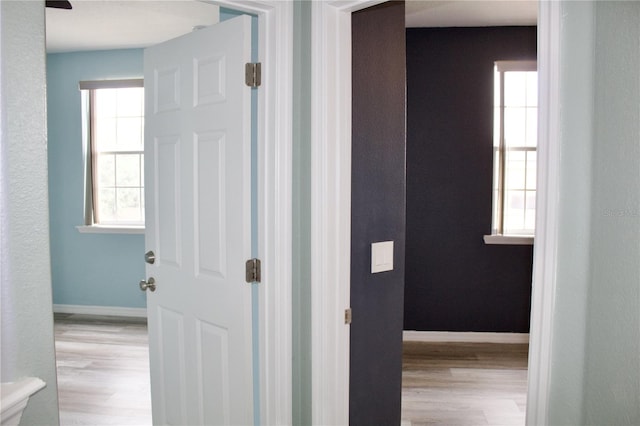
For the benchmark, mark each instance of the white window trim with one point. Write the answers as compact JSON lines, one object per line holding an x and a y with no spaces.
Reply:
{"x":506,"y":66}
{"x":508,"y":239}
{"x":89,"y":226}
{"x":106,"y":229}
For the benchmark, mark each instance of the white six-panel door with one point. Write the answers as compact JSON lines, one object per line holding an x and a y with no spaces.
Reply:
{"x":198,"y":223}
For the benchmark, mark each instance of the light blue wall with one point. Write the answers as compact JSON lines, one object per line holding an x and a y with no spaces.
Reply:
{"x":87,"y":269}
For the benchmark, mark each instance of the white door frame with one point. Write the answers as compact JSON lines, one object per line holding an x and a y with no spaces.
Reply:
{"x":331,"y":209}
{"x":275,"y":27}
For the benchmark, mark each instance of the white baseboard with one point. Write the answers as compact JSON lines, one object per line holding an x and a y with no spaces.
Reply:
{"x":115,"y":311}
{"x":469,"y":337}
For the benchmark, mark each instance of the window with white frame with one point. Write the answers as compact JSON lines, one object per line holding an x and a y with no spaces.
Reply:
{"x":515,"y":144}
{"x":113,"y":113}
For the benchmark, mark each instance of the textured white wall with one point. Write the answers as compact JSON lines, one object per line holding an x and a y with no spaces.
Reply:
{"x":576,"y":87}
{"x":27,"y":319}
{"x":595,"y":377}
{"x":612,"y":369}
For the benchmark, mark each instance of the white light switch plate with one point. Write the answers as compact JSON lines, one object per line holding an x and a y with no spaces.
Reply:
{"x":381,"y":257}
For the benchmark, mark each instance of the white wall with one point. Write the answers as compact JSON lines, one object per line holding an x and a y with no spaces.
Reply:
{"x":612,"y":368}
{"x":27,"y":319}
{"x":595,"y":376}
{"x":572,"y":277}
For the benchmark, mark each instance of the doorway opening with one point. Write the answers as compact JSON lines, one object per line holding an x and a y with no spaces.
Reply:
{"x":274,"y":137}
{"x":331,"y":142}
{"x":467,"y":303}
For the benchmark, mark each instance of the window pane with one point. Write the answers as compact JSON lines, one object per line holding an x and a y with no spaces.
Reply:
{"x":519,"y":140}
{"x":105,"y":103}
{"x":515,"y":89}
{"x":130,"y":133}
{"x":105,"y":133}
{"x":530,"y":201}
{"x":514,"y":209}
{"x":130,"y":102}
{"x":531,"y":169}
{"x":532,"y":89}
{"x":119,"y":120}
{"x":129,"y":207}
{"x":530,"y":212}
{"x":118,"y":123}
{"x":106,"y":170}
{"x":107,"y":204}
{"x":515,"y":121}
{"x":128,"y":170}
{"x":532,"y":127}
{"x":515,"y":170}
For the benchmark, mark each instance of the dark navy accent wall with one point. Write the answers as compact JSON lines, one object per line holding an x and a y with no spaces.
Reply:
{"x":378,"y":213}
{"x":454,"y":282}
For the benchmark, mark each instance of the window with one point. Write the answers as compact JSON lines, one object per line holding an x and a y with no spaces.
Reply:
{"x":113,"y":113}
{"x":514,"y":144}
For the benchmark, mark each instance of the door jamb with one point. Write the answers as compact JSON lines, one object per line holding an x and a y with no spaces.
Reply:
{"x":547,"y":213}
{"x":275,"y":52}
{"x":331,"y":209}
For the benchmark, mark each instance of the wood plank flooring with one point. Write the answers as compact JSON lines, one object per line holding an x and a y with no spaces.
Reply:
{"x":464,"y":384}
{"x":103,"y":377}
{"x":103,"y":370}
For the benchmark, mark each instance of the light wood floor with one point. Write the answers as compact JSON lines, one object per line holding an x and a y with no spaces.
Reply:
{"x":103,"y":377}
{"x":464,"y":384}
{"x":103,"y":370}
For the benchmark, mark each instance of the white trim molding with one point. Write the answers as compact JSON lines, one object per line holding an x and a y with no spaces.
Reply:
{"x":275,"y":107}
{"x":547,"y":212}
{"x":331,"y":207}
{"x":508,"y":240}
{"x":463,"y":337}
{"x":105,"y":229}
{"x":111,"y":311}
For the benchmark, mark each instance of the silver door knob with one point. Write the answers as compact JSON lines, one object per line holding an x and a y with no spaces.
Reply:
{"x":149,"y":284}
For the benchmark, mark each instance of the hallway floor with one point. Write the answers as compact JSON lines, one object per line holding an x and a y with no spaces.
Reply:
{"x":464,"y":384}
{"x":103,"y":377}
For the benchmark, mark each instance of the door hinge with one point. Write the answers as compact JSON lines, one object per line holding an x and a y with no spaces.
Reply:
{"x":253,"y":74}
{"x":253,"y":271}
{"x":347,"y":316}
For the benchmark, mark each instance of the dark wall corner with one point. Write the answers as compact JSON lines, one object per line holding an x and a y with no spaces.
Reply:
{"x":454,"y":282}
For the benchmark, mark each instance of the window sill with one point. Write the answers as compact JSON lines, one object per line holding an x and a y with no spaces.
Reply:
{"x":104,"y":229}
{"x":508,"y":240}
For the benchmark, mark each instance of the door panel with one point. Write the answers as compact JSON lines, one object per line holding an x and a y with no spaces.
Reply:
{"x":167,"y":202}
{"x":197,"y":153}
{"x":210,"y":217}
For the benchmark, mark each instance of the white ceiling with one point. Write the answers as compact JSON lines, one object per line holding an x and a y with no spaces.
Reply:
{"x":470,"y":13}
{"x":117,"y":24}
